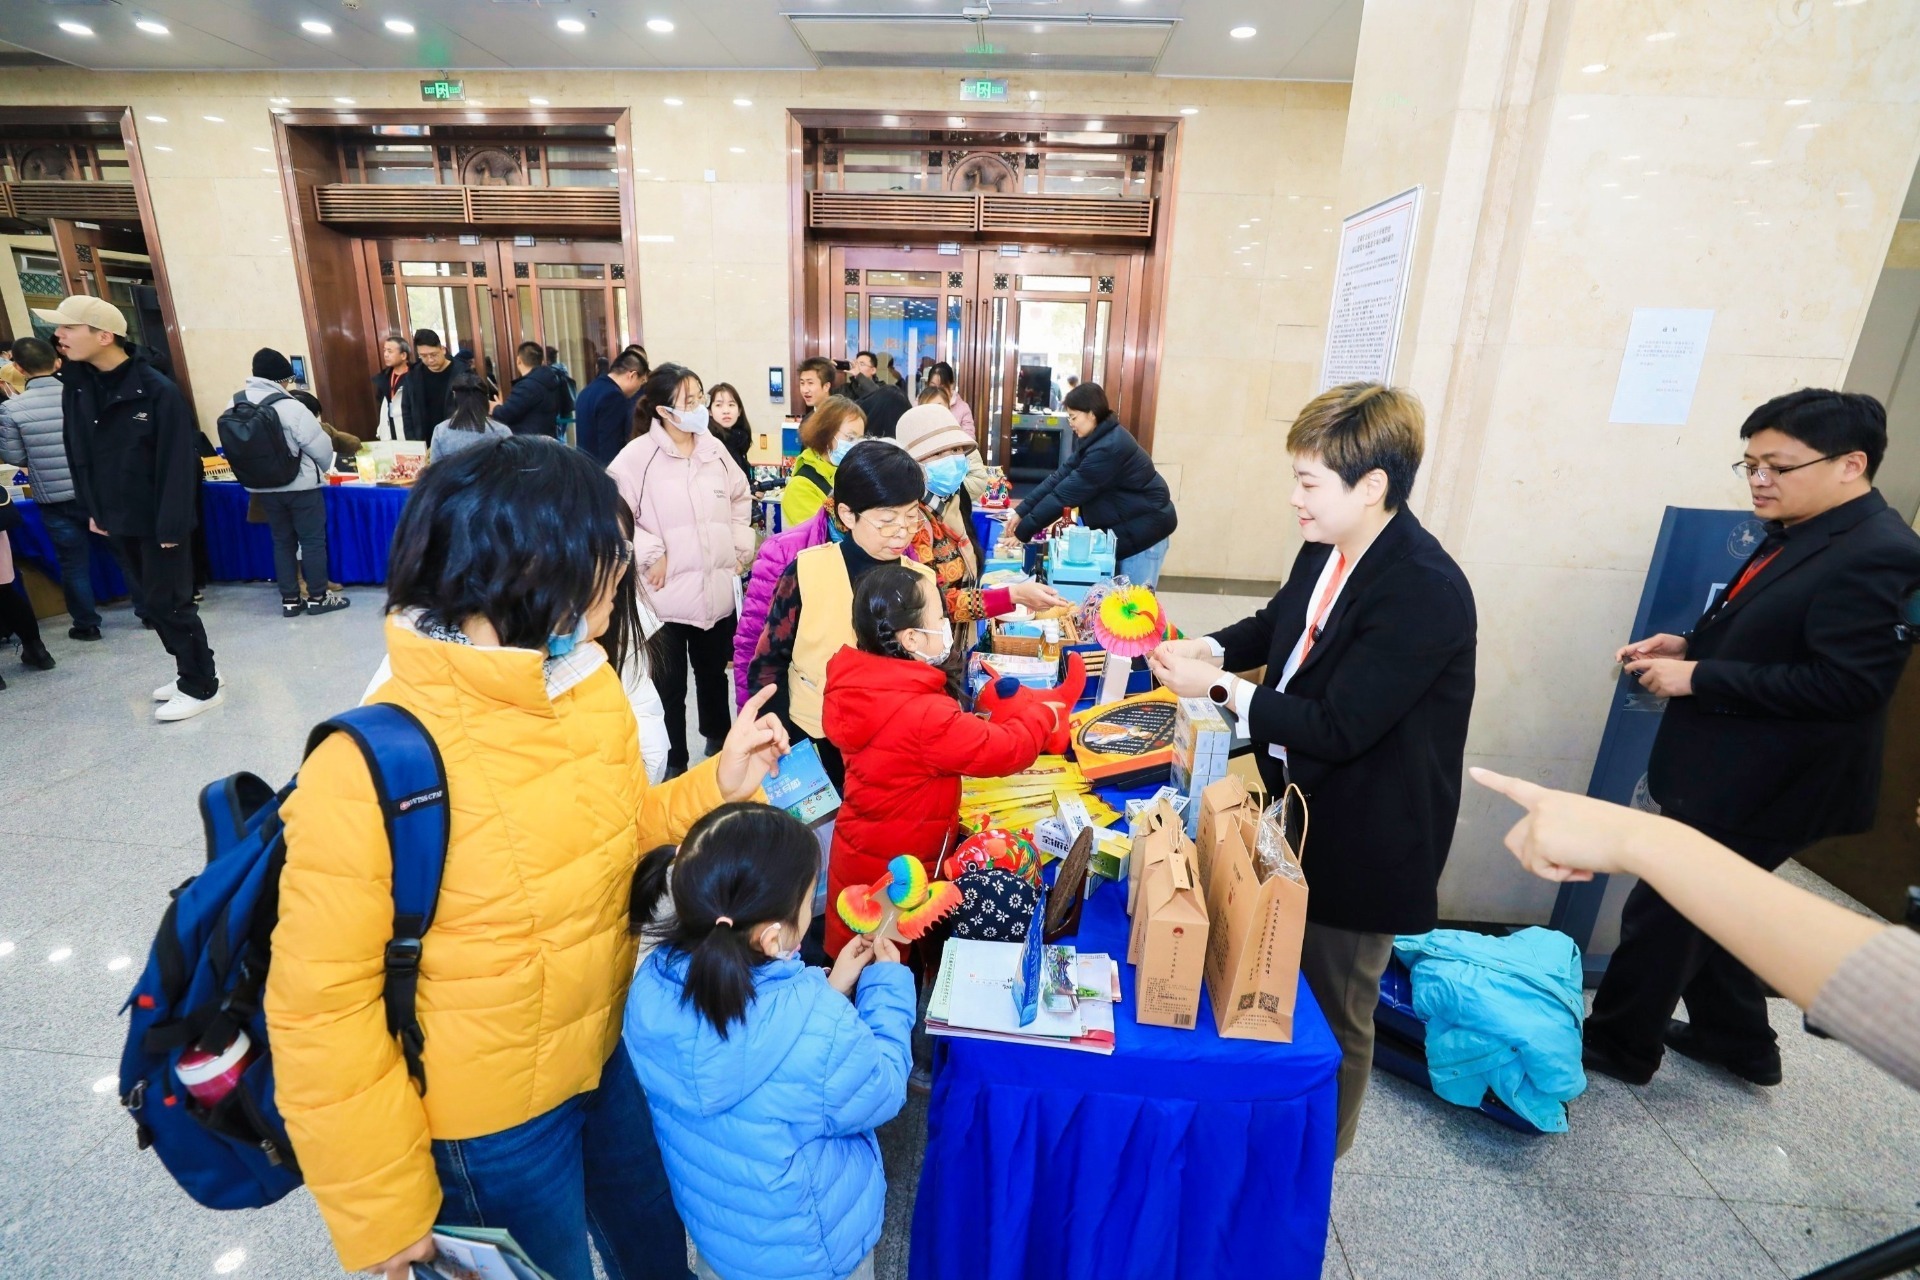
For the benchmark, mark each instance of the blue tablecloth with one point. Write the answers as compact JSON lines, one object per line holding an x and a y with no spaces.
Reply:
{"x":1181,"y":1155}
{"x":31,"y":543}
{"x":360,"y":524}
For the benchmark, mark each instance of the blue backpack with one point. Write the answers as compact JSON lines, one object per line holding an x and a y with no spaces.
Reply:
{"x":206,"y":977}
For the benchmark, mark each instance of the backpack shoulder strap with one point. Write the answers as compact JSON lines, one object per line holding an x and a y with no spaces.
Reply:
{"x":411,"y":784}
{"x":805,"y":471}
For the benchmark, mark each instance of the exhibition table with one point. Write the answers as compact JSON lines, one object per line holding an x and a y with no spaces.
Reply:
{"x":31,"y":543}
{"x":1180,"y":1155}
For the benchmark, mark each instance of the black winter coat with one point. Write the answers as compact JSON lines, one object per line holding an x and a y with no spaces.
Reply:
{"x":1781,"y":738}
{"x":534,"y":406}
{"x":603,"y":419}
{"x":1374,"y":723}
{"x":135,"y":450}
{"x":1112,"y":480}
{"x":426,"y":410}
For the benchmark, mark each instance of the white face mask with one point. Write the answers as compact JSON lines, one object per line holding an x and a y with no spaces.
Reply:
{"x":946,"y":643}
{"x":692,"y":421}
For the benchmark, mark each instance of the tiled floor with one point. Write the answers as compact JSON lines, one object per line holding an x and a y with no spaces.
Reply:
{"x":1695,"y":1175}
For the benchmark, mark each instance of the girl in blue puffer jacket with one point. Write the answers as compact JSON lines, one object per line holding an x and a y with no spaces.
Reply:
{"x":766,"y":1078}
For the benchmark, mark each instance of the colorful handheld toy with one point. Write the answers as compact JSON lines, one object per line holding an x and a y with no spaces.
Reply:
{"x":1130,"y":622}
{"x":901,"y":904}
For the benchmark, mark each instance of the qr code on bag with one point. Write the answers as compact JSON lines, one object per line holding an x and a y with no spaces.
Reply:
{"x":1246,"y":1002}
{"x":1269,"y":1004}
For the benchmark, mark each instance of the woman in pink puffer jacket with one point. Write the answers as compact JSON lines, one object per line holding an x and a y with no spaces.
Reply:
{"x":693,"y":534}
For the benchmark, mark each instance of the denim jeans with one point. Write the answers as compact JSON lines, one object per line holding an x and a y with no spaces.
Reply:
{"x":588,"y":1165}
{"x":1142,"y":568}
{"x":298,"y":520}
{"x":67,"y":528}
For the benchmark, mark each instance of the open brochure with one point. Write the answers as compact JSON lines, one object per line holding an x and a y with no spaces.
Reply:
{"x":976,"y":997}
{"x":802,"y":787}
{"x":477,"y":1253}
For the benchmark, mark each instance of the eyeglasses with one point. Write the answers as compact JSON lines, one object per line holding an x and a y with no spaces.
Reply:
{"x":1766,"y":473}
{"x":891,"y":523}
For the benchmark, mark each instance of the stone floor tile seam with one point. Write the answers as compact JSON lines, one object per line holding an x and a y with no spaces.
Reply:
{"x":1551,"y":1185}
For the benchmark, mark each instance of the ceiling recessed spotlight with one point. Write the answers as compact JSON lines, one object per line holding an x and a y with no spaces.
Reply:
{"x":1811,"y":124}
{"x":345,"y":102}
{"x":1189,"y":111}
{"x":1798,"y":102}
{"x":1594,"y":68}
{"x":1759,"y":162}
{"x":538,"y":102}
{"x":151,"y":27}
{"x":1658,"y":36}
{"x":158,"y":119}
{"x":662,"y":25}
{"x":1243,"y":33}
{"x":76,"y":28}
{"x":572,"y":26}
{"x":1609,"y":184}
{"x":739,"y":151}
{"x":672,"y":102}
{"x":743,"y":102}
{"x":214,"y":119}
{"x":400,"y":26}
{"x":316,"y":27}
{"x":1245,"y":225}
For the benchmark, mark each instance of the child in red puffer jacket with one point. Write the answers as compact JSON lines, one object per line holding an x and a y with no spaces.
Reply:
{"x":895,"y":714}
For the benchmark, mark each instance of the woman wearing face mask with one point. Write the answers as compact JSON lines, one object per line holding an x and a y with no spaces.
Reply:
{"x":693,"y":535}
{"x":945,"y":542}
{"x":834,"y":427}
{"x":876,"y":497}
{"x":893,"y":708}
{"x":1112,"y":481}
{"x":729,"y":422}
{"x":531,"y":1118}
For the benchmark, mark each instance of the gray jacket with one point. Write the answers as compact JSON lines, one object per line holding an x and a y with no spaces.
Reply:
{"x":33,"y":435}
{"x":304,"y":433}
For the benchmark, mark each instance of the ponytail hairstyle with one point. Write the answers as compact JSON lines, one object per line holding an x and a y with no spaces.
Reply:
{"x":886,"y":601}
{"x":626,"y":640}
{"x":753,"y":864}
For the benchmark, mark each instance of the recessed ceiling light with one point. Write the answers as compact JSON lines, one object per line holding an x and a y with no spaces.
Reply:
{"x":1798,"y":102}
{"x":151,"y":27}
{"x":743,"y":102}
{"x":538,"y":102}
{"x":279,"y":102}
{"x":214,"y":119}
{"x":1594,"y":68}
{"x":1189,"y":111}
{"x":1658,"y":36}
{"x":672,"y":102}
{"x":345,"y":102}
{"x":1243,"y":33}
{"x":318,"y":28}
{"x":400,"y":26}
{"x":158,"y":119}
{"x":1759,"y":162}
{"x":1629,"y":157}
{"x":572,"y":26}
{"x":662,"y":25}
{"x":76,"y":28}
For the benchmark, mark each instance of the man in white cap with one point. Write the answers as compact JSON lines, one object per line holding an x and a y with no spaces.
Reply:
{"x":133,"y":443}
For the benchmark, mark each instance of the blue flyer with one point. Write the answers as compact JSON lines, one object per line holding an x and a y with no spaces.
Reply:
{"x":802,"y":787}
{"x":1026,"y":990}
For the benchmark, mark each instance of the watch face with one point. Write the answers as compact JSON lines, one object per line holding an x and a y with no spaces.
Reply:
{"x":1220,"y":695}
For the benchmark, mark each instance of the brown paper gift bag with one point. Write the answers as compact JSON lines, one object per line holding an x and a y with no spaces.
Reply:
{"x":1259,"y":921}
{"x":1171,"y":931}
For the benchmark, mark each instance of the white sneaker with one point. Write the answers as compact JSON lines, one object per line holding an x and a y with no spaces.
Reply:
{"x":166,"y":692}
{"x":182,"y":707}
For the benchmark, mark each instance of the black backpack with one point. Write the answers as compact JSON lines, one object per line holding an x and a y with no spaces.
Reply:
{"x":256,"y":443}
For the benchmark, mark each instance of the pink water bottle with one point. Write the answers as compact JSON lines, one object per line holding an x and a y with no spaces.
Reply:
{"x":209,"y":1077}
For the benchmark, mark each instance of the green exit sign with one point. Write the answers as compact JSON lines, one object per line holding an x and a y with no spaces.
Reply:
{"x":973,"y":90}
{"x":442,"y":91}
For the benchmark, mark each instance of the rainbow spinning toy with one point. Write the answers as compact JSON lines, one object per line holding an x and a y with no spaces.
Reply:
{"x":1130,"y":622}
{"x":903,"y":903}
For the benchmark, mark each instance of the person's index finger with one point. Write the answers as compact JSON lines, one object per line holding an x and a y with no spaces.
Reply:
{"x":1527,"y":794}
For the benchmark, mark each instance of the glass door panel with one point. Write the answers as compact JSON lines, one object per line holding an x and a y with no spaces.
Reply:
{"x":905,"y":328}
{"x":574,"y":322}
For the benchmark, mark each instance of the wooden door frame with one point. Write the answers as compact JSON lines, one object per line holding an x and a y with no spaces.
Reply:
{"x":1144,"y":341}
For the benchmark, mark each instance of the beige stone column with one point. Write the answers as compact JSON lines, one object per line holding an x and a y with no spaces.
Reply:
{"x":1583,"y":158}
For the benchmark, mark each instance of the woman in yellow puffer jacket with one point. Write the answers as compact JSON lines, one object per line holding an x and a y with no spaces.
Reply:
{"x":505,"y":560}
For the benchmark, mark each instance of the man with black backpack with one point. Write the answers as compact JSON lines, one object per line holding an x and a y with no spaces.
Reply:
{"x":134,"y":447}
{"x":280,"y":452}
{"x":539,"y":394}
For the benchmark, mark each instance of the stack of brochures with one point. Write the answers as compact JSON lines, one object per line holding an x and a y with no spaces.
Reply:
{"x":477,"y":1253}
{"x":980,"y":993}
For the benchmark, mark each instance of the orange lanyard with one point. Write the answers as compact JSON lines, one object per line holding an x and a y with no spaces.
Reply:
{"x":1326,"y":603}
{"x":1753,"y":571}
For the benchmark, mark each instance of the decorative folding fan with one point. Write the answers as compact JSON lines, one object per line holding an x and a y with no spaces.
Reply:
{"x":1130,"y":622}
{"x":901,"y":904}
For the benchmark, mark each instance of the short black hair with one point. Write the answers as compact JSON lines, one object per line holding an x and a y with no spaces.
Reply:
{"x":629,"y":361}
{"x":34,"y":355}
{"x":820,"y":367}
{"x":877,"y":473}
{"x":523,"y":531}
{"x":530,"y":354}
{"x":657,"y":391}
{"x":869,"y":355}
{"x":1088,"y":397}
{"x":1831,"y":423}
{"x":427,"y":338}
{"x":553,"y":355}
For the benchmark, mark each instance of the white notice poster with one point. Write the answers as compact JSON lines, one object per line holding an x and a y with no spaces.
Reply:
{"x":1370,"y":291}
{"x":1661,"y":366}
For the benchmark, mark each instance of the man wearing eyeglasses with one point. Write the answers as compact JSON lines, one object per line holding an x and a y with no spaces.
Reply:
{"x":1775,"y":720}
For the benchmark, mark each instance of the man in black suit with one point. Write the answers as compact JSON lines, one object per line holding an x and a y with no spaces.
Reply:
{"x":1369,"y":653}
{"x":1776,"y":713}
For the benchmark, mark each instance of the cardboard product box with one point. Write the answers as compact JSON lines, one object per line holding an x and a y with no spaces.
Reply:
{"x":1127,"y":743}
{"x":1111,"y":853}
{"x":1155,"y":834}
{"x":1258,"y":922}
{"x":1202,"y":741}
{"x":1172,"y":929}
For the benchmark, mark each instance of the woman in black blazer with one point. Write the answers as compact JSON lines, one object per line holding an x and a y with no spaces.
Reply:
{"x":1369,"y":652}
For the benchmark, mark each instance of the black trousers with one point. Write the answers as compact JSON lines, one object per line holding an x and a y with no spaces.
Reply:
{"x":298,"y":519}
{"x":1662,"y":959}
{"x":709,"y":651}
{"x":163,"y":579}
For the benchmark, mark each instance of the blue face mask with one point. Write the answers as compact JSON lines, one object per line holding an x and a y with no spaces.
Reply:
{"x":559,"y":646}
{"x":840,"y":450}
{"x":946,"y":475}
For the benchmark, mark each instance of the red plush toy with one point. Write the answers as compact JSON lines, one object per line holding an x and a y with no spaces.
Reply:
{"x":1005,"y":691}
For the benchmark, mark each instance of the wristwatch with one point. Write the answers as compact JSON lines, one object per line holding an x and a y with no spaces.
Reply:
{"x":1221,"y":693}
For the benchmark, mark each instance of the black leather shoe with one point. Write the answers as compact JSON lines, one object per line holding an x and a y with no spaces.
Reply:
{"x":673,"y":771}
{"x":83,"y":633}
{"x":1761,"y":1067}
{"x":714,"y":745}
{"x":37,"y":657}
{"x":1597,"y":1057}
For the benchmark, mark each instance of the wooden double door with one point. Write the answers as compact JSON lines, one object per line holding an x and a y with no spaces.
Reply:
{"x":489,"y":296}
{"x":1019,"y":328}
